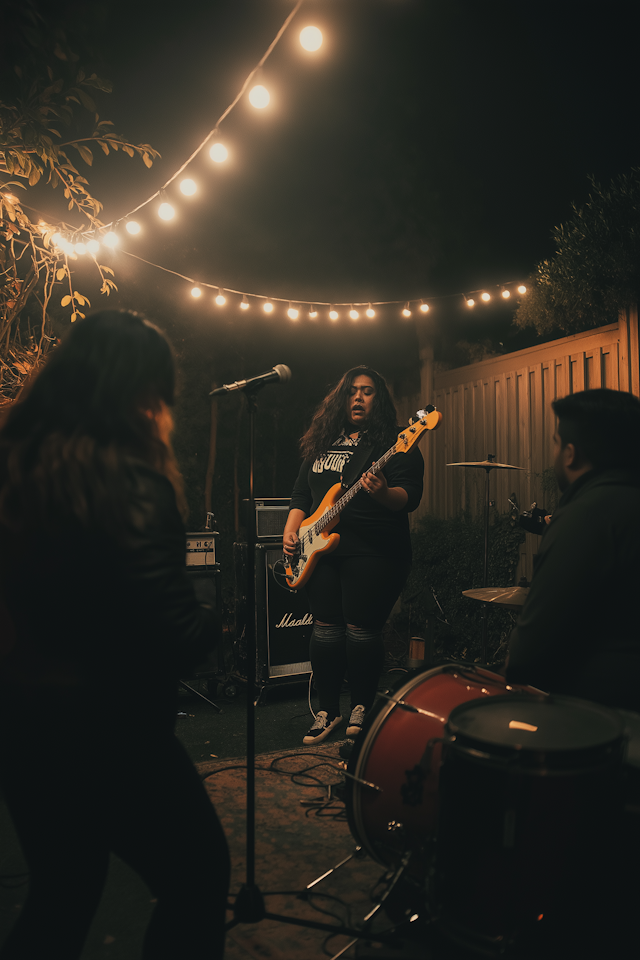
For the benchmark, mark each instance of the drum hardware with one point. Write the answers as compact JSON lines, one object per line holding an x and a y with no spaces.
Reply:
{"x":364,"y":783}
{"x":409,"y":706}
{"x":487,"y":465}
{"x":356,"y":853}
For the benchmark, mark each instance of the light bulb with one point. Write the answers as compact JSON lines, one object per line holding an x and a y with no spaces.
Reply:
{"x":506,"y":294}
{"x":196,"y":292}
{"x":218,"y":153}
{"x":93,"y":246}
{"x":259,"y":97}
{"x":311,"y":38}
{"x":292,"y":313}
{"x":333,"y":314}
{"x":405,"y":310}
{"x":424,"y":307}
{"x":370,"y":312}
{"x":313,"y":313}
{"x":220,"y":299}
{"x":243,"y":304}
{"x":486,"y":297}
{"x":133,"y":227}
{"x":267,"y":307}
{"x":188,"y":187}
{"x":80,"y":248}
{"x":111,"y":239}
{"x":471,"y":302}
{"x":166,"y":211}
{"x":57,"y":239}
{"x":522,"y":288}
{"x":354,"y":314}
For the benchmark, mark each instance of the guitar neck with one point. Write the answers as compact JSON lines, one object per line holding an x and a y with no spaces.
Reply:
{"x":352,"y":491}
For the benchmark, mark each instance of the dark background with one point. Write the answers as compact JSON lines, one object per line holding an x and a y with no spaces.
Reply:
{"x":427,"y":150}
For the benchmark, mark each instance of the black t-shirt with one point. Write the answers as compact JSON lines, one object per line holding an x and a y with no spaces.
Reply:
{"x":365,"y":527}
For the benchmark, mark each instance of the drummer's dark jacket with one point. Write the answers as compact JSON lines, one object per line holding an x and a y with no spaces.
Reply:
{"x":579,"y":630}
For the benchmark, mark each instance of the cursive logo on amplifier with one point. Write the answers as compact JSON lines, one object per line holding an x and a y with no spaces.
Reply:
{"x":288,"y":621}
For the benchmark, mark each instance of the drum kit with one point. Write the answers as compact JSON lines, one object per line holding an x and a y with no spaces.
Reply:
{"x":483,"y":797}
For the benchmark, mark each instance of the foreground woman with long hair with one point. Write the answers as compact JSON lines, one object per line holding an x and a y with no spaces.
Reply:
{"x":99,"y":620}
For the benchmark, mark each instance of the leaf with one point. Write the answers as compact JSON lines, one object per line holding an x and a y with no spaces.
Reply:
{"x":59,"y":52}
{"x":85,"y":153}
{"x":107,"y":270}
{"x":146,"y":159}
{"x":87,"y":102}
{"x":34,"y":176}
{"x":60,"y":275}
{"x":79,"y":298}
{"x":127,"y":149}
{"x":65,"y":301}
{"x":74,"y":317}
{"x":105,"y":147}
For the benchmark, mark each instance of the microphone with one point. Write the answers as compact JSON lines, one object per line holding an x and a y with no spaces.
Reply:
{"x":279,"y":373}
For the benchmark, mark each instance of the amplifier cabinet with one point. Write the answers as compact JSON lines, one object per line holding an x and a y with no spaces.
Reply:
{"x":283,"y":621}
{"x":271,"y":516}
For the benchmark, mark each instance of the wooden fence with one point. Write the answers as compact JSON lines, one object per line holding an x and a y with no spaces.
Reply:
{"x":502,"y":406}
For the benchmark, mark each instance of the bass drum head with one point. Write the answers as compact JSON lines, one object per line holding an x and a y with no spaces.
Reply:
{"x":393,"y":772}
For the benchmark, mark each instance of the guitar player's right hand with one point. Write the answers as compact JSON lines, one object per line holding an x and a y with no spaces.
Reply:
{"x":291,"y":544}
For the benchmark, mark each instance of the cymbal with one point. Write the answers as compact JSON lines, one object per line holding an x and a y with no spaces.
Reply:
{"x":502,"y":596}
{"x":487,"y":464}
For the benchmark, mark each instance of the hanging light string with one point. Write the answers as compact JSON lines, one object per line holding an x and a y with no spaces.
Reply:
{"x":223,"y":116}
{"x":419,"y":304}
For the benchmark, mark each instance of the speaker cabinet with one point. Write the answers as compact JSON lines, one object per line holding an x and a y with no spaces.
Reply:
{"x":283,"y":621}
{"x":204,"y":574}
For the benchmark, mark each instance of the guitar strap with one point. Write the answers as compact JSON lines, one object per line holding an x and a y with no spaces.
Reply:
{"x":362,"y":458}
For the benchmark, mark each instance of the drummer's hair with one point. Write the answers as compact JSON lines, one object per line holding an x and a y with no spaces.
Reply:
{"x":603,"y":425}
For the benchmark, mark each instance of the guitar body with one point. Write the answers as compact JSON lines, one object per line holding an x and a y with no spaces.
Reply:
{"x":315,"y":533}
{"x":315,"y":544}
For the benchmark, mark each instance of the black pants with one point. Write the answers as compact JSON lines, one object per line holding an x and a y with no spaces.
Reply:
{"x":74,"y":800}
{"x":346,"y":593}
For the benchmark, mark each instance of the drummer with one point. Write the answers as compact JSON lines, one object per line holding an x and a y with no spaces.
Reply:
{"x":578,"y":632}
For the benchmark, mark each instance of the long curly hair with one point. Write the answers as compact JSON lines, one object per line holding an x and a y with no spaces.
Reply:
{"x":329,"y":418}
{"x":103,"y":397}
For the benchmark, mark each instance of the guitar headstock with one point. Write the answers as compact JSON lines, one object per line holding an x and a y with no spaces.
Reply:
{"x":427,"y":419}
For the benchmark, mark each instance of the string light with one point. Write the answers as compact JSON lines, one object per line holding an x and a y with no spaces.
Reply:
{"x":188,"y":187}
{"x":166,"y":211}
{"x":486,"y":297}
{"x":267,"y":307}
{"x":244,"y":304}
{"x":313,"y":313}
{"x":470,"y":302}
{"x":424,"y":307}
{"x":505,"y":294}
{"x":259,"y":97}
{"x":370,"y":312}
{"x":406,"y":312}
{"x":333,"y":314}
{"x":292,"y":313}
{"x":311,"y":39}
{"x":133,"y":227}
{"x":111,"y":239}
{"x":218,"y":153}
{"x":80,"y":248}
{"x":354,"y":313}
{"x":522,"y":288}
{"x":93,"y":246}
{"x":220,"y":299}
{"x":196,"y":292}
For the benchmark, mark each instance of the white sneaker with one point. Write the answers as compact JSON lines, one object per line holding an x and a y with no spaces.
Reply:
{"x":356,"y":720}
{"x":321,"y":727}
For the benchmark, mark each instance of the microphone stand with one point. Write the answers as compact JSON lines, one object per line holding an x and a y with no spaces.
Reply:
{"x":249,"y":903}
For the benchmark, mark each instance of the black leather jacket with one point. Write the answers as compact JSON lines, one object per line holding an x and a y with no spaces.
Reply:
{"x":108,"y":623}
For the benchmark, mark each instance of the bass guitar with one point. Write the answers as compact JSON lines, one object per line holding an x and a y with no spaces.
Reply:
{"x":315,"y":533}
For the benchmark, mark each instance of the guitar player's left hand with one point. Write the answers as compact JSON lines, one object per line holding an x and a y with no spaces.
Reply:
{"x":375,"y":485}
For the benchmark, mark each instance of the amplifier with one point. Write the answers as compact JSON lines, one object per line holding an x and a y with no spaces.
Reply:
{"x":201,"y":549}
{"x":271,"y":516}
{"x":283,"y":621}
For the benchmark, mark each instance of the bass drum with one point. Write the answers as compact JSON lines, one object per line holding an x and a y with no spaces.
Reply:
{"x":393,"y":773}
